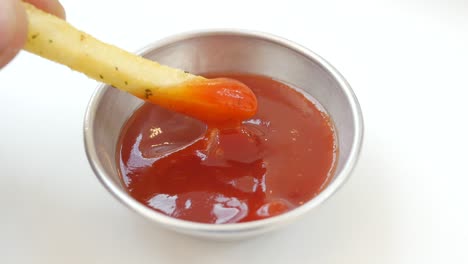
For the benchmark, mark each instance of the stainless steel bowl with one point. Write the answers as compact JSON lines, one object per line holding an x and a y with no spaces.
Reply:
{"x":228,"y":51}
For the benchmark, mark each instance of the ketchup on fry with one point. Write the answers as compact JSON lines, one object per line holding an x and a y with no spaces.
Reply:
{"x":274,"y":161}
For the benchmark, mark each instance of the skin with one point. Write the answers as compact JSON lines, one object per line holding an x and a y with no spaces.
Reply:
{"x":13,"y":25}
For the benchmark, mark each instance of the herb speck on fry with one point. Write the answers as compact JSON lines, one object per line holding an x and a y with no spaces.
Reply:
{"x":148,"y":93}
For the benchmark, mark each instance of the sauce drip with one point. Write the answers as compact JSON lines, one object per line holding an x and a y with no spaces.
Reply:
{"x":273,"y":162}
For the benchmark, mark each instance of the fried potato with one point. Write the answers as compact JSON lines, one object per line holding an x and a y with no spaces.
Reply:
{"x":212,"y":100}
{"x":54,"y":39}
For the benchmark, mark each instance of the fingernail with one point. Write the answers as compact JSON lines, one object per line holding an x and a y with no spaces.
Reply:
{"x":7,"y":23}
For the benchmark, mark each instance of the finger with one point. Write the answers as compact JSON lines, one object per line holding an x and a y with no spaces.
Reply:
{"x":51,"y":6}
{"x":13,"y":29}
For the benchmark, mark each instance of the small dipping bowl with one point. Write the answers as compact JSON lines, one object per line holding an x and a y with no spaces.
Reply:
{"x":236,"y":51}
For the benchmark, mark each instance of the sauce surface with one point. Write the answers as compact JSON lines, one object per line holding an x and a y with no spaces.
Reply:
{"x":273,"y":162}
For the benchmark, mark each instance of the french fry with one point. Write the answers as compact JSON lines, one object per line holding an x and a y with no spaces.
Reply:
{"x":53,"y":38}
{"x":210,"y":100}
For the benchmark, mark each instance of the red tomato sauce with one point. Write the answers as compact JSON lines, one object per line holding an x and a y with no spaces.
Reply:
{"x":275,"y":161}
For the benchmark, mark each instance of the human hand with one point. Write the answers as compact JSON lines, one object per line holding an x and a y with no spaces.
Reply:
{"x":13,"y":25}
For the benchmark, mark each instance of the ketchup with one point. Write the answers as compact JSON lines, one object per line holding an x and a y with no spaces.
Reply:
{"x":277,"y":160}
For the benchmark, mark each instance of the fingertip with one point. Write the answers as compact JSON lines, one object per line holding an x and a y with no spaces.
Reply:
{"x":13,"y":29}
{"x":60,"y":10}
{"x":50,"y":6}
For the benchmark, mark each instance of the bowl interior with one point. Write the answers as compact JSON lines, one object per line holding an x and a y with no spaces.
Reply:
{"x":231,"y":52}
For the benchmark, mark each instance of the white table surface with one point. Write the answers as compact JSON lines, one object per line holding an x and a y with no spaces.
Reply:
{"x":407,"y":201}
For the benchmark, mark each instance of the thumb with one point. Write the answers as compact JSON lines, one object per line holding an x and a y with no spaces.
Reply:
{"x":13,"y":29}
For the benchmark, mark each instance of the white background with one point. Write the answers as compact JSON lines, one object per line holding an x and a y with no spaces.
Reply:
{"x":407,"y":201}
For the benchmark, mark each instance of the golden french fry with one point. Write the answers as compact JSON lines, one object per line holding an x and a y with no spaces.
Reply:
{"x":55,"y":39}
{"x":207,"y":99}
